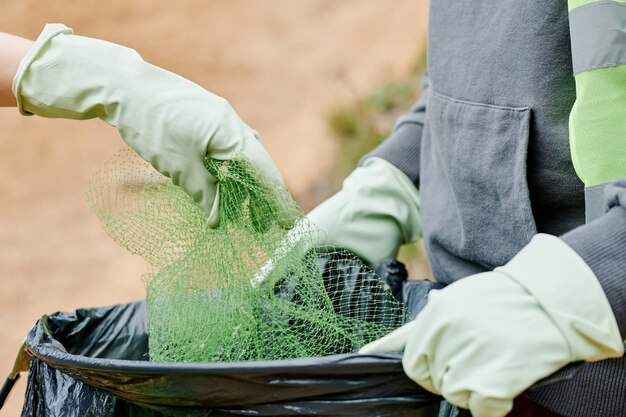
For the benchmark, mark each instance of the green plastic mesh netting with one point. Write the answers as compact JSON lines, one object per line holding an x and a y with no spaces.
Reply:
{"x":251,"y":289}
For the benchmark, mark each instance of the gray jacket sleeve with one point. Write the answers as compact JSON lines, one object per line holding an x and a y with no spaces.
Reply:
{"x":402,"y":147}
{"x":602,"y":244}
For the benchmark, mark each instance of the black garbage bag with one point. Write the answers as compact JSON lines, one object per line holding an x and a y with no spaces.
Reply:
{"x":95,"y":362}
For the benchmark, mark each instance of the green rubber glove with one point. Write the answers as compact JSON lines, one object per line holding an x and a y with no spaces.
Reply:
{"x":483,"y":340}
{"x":168,"y":120}
{"x":376,"y":211}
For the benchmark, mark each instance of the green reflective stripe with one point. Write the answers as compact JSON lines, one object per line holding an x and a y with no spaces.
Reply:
{"x":598,"y":126}
{"x":598,"y":35}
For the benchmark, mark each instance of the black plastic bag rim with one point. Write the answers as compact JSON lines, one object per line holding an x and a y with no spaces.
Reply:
{"x":348,"y":360}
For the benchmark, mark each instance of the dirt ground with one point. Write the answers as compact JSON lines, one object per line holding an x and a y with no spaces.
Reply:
{"x":281,"y":63}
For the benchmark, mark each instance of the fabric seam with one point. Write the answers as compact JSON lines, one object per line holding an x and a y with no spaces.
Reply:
{"x":476,"y":104}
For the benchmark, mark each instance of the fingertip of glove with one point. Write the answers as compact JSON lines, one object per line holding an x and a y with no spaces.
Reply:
{"x":378,"y":346}
{"x":213,"y":221}
{"x":372,"y":348}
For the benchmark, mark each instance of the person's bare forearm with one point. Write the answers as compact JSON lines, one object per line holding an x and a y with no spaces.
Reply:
{"x":12,"y":50}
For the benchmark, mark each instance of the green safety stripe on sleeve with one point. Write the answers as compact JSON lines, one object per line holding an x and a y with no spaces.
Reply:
{"x":598,"y":35}
{"x":597,"y":125}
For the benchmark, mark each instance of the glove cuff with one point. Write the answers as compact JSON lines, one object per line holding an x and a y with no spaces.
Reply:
{"x":571,"y":295}
{"x":49,"y":32}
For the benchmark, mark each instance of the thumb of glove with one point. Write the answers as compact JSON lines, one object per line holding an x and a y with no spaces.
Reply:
{"x":393,"y":342}
{"x":203,"y":187}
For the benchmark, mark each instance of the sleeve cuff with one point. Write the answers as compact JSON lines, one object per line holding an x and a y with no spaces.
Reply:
{"x":402,"y":149}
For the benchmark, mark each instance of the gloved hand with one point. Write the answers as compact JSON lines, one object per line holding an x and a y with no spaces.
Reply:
{"x":482,"y":341}
{"x":376,"y":211}
{"x":169,"y":121}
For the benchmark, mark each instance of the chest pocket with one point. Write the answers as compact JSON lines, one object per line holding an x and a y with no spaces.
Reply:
{"x":476,"y":211}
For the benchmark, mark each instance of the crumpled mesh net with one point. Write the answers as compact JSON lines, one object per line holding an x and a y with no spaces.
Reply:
{"x":248,"y":290}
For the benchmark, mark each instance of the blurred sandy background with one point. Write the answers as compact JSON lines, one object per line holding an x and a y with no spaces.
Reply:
{"x":282,"y":64}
